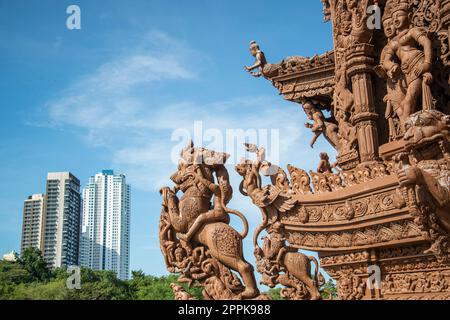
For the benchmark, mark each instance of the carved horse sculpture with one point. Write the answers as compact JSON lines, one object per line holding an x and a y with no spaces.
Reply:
{"x":193,"y":221}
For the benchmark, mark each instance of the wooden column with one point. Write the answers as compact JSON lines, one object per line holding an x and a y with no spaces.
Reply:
{"x":360,"y":69}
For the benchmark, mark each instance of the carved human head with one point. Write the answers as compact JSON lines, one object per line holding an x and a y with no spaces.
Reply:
{"x":254,"y":48}
{"x":400,"y":15}
{"x":309,"y":109}
{"x":352,"y":4}
{"x":324,"y":156}
{"x":388,"y":26}
{"x":180,"y":254}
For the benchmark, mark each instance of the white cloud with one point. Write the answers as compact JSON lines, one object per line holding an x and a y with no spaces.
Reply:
{"x":116,"y":108}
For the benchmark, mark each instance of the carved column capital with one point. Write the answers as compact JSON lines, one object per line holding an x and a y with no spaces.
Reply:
{"x":360,"y":59}
{"x":364,"y":117}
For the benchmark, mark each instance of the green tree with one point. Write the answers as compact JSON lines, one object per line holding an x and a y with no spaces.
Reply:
{"x":275,"y":293}
{"x":158,"y":288}
{"x":11,"y":275}
{"x":33,"y":262}
{"x":51,"y":290}
{"x":101,"y":285}
{"x":329,"y":290}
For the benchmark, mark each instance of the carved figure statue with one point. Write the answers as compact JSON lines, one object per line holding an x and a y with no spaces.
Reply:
{"x":396,"y":87}
{"x":343,"y":107}
{"x":324,"y":164}
{"x":260,"y":60}
{"x":278,"y":263}
{"x":180,"y":293}
{"x":326,"y":10}
{"x":270,"y":199}
{"x":320,"y":125}
{"x":412,"y":47}
{"x":427,"y":164}
{"x":201,"y":228}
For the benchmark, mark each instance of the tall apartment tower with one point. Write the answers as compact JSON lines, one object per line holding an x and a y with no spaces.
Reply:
{"x":61,"y":220}
{"x":33,"y":213}
{"x":105,"y":231}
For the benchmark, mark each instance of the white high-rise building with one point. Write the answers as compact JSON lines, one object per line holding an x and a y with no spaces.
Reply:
{"x":105,"y":231}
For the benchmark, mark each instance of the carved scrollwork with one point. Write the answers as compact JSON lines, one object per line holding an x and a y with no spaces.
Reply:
{"x":389,"y":232}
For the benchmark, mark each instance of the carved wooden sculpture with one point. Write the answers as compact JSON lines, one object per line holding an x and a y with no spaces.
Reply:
{"x":388,"y":207}
{"x":385,"y":209}
{"x":195,"y":236}
{"x":277,"y":263}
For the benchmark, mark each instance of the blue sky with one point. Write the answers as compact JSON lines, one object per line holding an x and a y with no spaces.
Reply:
{"x":111,"y":95}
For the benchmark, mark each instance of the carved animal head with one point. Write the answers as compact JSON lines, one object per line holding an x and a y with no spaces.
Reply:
{"x":244,"y":167}
{"x":426,"y":128}
{"x":269,"y":281}
{"x":193,"y":160}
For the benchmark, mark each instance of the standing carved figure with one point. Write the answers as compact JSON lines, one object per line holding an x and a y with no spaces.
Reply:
{"x":413,"y":49}
{"x":196,"y":238}
{"x":280,"y":264}
{"x":396,"y":87}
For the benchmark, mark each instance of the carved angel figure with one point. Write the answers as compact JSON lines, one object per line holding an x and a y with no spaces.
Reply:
{"x":321,"y":125}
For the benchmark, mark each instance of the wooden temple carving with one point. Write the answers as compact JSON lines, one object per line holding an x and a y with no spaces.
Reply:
{"x":383,"y":208}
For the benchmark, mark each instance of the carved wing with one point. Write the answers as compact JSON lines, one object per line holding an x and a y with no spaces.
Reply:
{"x":284,"y":204}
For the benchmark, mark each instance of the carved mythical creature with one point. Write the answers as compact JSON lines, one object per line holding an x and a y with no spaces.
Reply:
{"x":281,"y":264}
{"x":278,"y":263}
{"x":427,"y":141}
{"x":413,"y":49}
{"x":198,"y":230}
{"x":270,"y":199}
